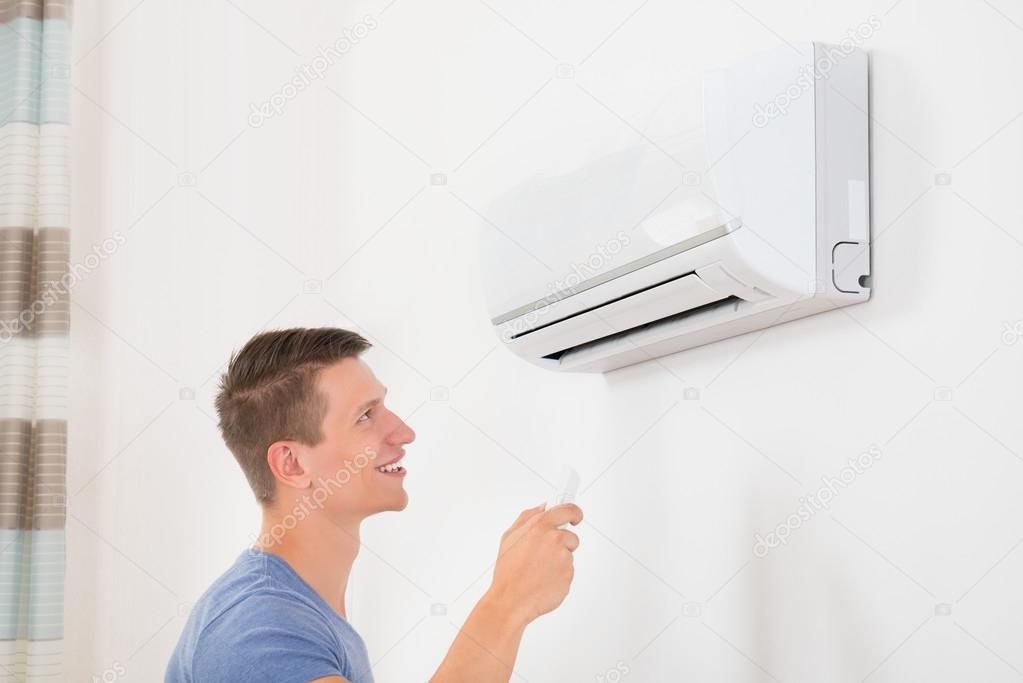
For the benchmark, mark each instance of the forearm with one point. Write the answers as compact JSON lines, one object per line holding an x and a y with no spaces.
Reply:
{"x":486,"y":646}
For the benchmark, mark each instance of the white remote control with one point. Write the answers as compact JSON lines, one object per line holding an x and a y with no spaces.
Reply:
{"x":569,"y":488}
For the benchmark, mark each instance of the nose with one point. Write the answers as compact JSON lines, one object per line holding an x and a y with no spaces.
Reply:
{"x":402,"y":434}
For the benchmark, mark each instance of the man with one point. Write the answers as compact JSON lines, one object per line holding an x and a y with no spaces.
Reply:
{"x":305,"y":418}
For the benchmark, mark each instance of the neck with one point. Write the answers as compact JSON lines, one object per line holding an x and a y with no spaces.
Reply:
{"x":319,"y":549}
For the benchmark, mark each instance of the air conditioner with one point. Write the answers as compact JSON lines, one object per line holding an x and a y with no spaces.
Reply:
{"x":769,"y":223}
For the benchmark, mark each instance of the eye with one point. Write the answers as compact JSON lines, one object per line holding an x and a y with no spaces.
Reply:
{"x":365,"y":416}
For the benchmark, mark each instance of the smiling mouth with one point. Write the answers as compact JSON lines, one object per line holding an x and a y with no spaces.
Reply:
{"x":394,"y":469}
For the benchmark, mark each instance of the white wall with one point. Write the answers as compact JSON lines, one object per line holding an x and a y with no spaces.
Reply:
{"x":326,"y":215}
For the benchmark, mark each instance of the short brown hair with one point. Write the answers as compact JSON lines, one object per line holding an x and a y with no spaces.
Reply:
{"x":269,"y":393}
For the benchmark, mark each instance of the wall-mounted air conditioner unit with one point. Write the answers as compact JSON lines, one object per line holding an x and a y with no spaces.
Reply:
{"x":775,"y":227}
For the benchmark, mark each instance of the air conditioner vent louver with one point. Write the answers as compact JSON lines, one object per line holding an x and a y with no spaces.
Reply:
{"x":602,"y":304}
{"x":724,"y":304}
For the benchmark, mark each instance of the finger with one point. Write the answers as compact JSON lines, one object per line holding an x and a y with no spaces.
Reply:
{"x":569,"y":539}
{"x":569,"y":513}
{"x":525,"y":516}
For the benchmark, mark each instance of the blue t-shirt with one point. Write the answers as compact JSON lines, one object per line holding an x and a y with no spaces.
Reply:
{"x":261,"y":622}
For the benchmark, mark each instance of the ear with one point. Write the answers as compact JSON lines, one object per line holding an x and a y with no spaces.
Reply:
{"x":286,"y":465}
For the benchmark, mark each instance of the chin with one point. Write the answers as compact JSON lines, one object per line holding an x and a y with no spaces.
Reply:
{"x":396,"y":504}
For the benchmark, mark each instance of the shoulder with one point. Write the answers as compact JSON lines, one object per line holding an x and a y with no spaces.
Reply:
{"x":268,"y":634}
{"x":270,"y":610}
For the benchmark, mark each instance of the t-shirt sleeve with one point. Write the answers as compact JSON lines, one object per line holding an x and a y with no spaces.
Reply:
{"x":267,"y":637}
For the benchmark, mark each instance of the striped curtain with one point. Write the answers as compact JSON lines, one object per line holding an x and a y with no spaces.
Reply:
{"x":34,"y":295}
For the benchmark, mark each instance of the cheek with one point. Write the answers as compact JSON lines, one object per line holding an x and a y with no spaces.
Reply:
{"x":335,"y":454}
{"x":362,"y":461}
{"x":372,"y":447}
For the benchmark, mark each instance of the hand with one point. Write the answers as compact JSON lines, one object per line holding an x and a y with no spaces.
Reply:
{"x":534,"y":566}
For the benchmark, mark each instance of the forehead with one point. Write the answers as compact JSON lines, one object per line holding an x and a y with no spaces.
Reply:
{"x":348,"y":383}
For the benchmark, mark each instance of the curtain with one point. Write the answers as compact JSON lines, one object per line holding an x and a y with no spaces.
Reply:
{"x":35,"y":285}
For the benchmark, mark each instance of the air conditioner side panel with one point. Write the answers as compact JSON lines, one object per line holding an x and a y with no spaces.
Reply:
{"x":843,"y":179}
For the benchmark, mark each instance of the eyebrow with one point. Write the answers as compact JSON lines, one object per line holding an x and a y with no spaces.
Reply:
{"x":361,"y":408}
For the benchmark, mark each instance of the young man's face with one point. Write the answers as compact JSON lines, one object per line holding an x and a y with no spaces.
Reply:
{"x":359,"y":436}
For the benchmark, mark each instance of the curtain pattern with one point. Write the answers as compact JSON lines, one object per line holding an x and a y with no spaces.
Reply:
{"x":34,"y":322}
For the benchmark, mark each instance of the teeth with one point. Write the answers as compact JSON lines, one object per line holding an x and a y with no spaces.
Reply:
{"x":393,"y":467}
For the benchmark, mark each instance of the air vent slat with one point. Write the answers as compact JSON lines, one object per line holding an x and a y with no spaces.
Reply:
{"x":722,"y":304}
{"x":604,"y":305}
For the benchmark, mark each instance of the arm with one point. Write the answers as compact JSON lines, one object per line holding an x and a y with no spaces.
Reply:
{"x":532,"y":576}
